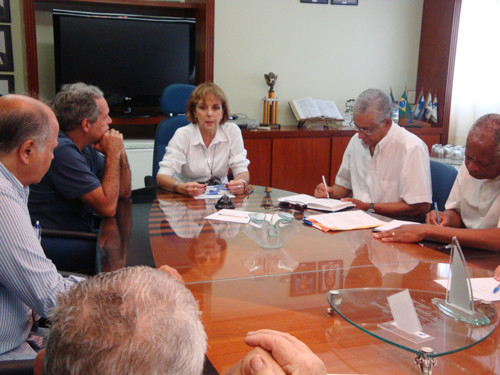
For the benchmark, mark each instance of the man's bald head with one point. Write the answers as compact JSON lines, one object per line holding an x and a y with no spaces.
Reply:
{"x":482,"y":152}
{"x":23,"y":118}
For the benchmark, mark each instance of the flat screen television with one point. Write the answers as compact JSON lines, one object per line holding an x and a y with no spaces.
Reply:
{"x":131,"y":58}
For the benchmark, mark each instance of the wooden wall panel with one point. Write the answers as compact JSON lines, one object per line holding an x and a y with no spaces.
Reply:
{"x":259,"y":153}
{"x":298,"y":164}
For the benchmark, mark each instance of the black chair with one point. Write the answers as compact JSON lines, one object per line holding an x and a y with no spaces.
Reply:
{"x":173,"y":103}
{"x":442,"y":177}
{"x":70,"y":251}
{"x":22,"y":367}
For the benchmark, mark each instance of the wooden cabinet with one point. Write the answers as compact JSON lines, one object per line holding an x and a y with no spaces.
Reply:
{"x":295,"y":159}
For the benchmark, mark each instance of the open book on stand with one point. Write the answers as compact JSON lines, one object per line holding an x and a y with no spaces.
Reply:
{"x":313,"y":203}
{"x":311,"y":112}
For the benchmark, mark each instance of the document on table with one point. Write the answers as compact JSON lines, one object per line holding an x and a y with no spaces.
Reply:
{"x":346,"y":220}
{"x":393,"y":224}
{"x":326,"y":204}
{"x":215,"y":192}
{"x":482,"y":288}
{"x":232,"y":216}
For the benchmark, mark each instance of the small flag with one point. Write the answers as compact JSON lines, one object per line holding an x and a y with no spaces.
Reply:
{"x":434,"y":111}
{"x":428,"y":107}
{"x":392,"y":96}
{"x":404,"y":107}
{"x":419,"y":105}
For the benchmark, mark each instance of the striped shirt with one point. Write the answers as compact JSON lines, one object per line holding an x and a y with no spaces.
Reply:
{"x":28,"y":280}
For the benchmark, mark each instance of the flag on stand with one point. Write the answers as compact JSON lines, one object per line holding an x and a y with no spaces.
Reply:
{"x":392,"y":96}
{"x":419,"y":105}
{"x":434,"y":111}
{"x":426,"y":114}
{"x":404,"y":107}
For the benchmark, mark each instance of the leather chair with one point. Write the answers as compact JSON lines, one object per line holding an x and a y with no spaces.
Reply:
{"x":442,"y":177}
{"x":173,"y":102}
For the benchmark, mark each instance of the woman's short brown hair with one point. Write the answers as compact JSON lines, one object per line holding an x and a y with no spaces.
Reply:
{"x":200,"y":93}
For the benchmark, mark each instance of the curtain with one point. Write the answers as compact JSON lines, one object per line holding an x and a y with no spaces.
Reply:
{"x":476,"y":81}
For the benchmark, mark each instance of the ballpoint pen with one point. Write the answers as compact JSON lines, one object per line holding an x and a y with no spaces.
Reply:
{"x":326,"y":187}
{"x":496,"y":289}
{"x":38,"y":230}
{"x":437,"y":213}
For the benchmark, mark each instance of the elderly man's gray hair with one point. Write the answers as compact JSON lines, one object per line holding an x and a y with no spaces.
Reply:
{"x":373,"y":100}
{"x":76,"y":102}
{"x":136,"y":320}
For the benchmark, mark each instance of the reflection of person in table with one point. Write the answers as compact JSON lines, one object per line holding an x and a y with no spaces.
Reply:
{"x":202,"y":152}
{"x":207,"y":238}
{"x":473,"y":207}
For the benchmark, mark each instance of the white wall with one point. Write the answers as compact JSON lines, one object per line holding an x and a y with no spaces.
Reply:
{"x":323,"y":51}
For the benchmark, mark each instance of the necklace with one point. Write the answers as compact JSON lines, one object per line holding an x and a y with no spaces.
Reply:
{"x":212,"y":180}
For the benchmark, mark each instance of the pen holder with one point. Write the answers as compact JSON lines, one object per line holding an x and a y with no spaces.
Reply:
{"x":270,"y":233}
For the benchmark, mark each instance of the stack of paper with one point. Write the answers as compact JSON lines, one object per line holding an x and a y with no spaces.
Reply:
{"x":324,"y":204}
{"x":346,"y":220}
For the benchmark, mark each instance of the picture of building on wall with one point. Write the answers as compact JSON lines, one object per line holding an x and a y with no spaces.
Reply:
{"x":4,"y":11}
{"x":6,"y":63}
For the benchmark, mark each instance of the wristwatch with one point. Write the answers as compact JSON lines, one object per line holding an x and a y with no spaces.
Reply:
{"x":371,"y":208}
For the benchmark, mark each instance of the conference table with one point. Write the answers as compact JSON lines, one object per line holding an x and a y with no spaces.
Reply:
{"x":243,"y":287}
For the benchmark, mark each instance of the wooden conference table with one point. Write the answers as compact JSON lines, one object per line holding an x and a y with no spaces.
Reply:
{"x":242,"y":287}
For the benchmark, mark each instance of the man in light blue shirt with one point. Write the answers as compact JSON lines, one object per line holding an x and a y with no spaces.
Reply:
{"x":29,"y":282}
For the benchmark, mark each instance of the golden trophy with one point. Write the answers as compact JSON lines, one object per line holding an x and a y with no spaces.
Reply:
{"x":270,"y":117}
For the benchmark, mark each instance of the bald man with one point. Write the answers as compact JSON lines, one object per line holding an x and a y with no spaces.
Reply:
{"x":29,"y":282}
{"x":473,"y":208}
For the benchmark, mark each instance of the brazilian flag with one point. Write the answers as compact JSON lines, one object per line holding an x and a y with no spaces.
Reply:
{"x":404,"y":107}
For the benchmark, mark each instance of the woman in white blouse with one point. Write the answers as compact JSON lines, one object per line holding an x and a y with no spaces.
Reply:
{"x":202,"y":152}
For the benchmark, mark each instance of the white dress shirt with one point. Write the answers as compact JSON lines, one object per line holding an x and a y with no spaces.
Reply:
{"x":188,"y":159}
{"x":399,"y":169}
{"x":477,"y":201}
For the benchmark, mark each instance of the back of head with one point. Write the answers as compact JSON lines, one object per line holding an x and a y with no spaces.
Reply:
{"x":200,"y":93}
{"x":373,"y":100}
{"x":135,"y":320}
{"x":486,"y":130}
{"x":22,"y":118}
{"x":76,"y":102}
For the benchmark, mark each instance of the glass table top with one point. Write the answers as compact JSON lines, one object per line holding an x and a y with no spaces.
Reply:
{"x":368,"y":309}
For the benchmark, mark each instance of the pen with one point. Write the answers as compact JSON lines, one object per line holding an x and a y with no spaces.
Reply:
{"x":229,"y":215}
{"x":38,"y":231}
{"x":437,"y":213}
{"x":326,"y":187}
{"x":497,"y":288}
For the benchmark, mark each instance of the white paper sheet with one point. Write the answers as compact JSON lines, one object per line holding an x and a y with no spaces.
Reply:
{"x":482,"y":288}
{"x":393,"y":224}
{"x":231,"y":216}
{"x":215,"y":192}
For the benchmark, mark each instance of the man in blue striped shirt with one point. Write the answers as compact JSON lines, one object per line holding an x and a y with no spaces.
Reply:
{"x":29,"y":282}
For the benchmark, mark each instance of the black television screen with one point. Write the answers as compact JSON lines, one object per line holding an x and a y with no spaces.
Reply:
{"x":131,"y":58}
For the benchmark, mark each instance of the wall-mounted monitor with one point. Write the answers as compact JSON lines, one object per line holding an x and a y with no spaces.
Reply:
{"x":130,"y":57}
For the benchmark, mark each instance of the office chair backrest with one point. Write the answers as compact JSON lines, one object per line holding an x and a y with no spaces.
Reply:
{"x":442,"y":177}
{"x":173,"y":103}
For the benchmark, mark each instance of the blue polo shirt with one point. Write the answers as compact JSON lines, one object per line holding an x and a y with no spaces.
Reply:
{"x":54,"y":201}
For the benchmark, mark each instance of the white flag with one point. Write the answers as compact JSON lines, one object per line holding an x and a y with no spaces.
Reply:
{"x":428,"y":107}
{"x":434,"y":111}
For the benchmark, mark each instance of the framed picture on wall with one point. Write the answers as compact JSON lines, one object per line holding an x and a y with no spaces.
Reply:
{"x":4,"y":11}
{"x":344,"y":2}
{"x":6,"y":63}
{"x":6,"y":84}
{"x":315,"y":1}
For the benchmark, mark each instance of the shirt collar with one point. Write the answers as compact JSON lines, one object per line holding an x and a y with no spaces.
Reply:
{"x":220,"y":136}
{"x":16,"y":184}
